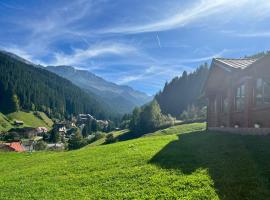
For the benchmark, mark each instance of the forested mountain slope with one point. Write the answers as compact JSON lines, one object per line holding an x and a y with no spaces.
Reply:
{"x":183,"y":91}
{"x":35,"y":88}
{"x":122,"y":99}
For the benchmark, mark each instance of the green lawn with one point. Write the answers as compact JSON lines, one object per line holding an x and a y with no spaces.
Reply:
{"x":180,"y":129}
{"x":194,"y":165}
{"x":30,"y":119}
{"x":102,"y":140}
{"x":5,"y":124}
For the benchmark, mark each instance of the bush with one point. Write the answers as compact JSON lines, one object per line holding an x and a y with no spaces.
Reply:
{"x":40,"y":146}
{"x":99,"y":135}
{"x":149,"y":118}
{"x":11,"y":136}
{"x":96,"y":136}
{"x":110,"y":138}
{"x":76,"y":141}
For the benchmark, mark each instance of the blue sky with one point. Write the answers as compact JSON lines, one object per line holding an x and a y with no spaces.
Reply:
{"x":140,"y":43}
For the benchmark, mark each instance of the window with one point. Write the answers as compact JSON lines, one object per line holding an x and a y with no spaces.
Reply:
{"x":225,"y":104}
{"x":240,"y":98}
{"x":262,"y":95}
{"x":215,"y":106}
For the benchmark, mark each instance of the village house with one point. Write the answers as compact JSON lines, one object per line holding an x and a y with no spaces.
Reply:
{"x":60,"y":127}
{"x":13,"y":146}
{"x":82,"y":118}
{"x":18,"y":123}
{"x":41,"y":130}
{"x":238,"y":93}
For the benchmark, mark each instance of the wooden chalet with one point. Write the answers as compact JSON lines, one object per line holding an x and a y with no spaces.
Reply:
{"x":238,"y":93}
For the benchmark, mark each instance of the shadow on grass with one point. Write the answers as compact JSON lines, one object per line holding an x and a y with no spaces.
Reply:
{"x":238,"y":165}
{"x":128,"y":136}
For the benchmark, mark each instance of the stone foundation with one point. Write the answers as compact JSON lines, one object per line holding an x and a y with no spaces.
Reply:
{"x":242,"y":131}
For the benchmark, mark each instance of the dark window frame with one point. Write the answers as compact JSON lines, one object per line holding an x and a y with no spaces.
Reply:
{"x":262,"y":92}
{"x":240,"y":98}
{"x":224,"y":104}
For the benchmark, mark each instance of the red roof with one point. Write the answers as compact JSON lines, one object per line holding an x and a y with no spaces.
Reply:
{"x":16,"y":146}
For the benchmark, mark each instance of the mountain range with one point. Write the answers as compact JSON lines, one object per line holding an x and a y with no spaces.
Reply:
{"x":28,"y":87}
{"x":121,"y":99}
{"x":115,"y":98}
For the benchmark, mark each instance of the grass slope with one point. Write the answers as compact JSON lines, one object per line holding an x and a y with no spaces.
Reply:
{"x":30,"y":119}
{"x":195,"y":165}
{"x":102,"y":140}
{"x":124,"y":135}
{"x":5,"y":124}
{"x":180,"y":129}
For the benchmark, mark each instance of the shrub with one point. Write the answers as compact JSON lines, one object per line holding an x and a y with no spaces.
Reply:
{"x":76,"y":141}
{"x":110,"y":138}
{"x":11,"y":136}
{"x":99,"y":135}
{"x":149,"y":118}
{"x":40,"y":146}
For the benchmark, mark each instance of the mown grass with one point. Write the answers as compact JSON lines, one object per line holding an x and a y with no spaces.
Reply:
{"x":5,"y":124}
{"x":180,"y":129}
{"x":125,"y":134}
{"x":102,"y":140}
{"x":195,"y":165}
{"x":30,"y":119}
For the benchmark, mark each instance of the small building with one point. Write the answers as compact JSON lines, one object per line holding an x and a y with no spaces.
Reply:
{"x":18,"y":123}
{"x":238,"y":93}
{"x":82,"y":118}
{"x":41,"y":130}
{"x":60,"y":127}
{"x":13,"y":146}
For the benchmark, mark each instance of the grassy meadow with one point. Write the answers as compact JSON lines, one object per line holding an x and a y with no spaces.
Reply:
{"x":29,"y":119}
{"x":185,"y":165}
{"x":5,"y":123}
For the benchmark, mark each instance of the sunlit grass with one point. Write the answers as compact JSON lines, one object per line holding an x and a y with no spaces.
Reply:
{"x":195,"y":165}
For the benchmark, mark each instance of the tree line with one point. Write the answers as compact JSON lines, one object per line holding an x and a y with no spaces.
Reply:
{"x":149,"y":118}
{"x":183,"y":93}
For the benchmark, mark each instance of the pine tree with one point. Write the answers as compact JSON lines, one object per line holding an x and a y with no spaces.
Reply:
{"x":55,"y":136}
{"x":76,"y":141}
{"x":183,"y":91}
{"x":16,"y":103}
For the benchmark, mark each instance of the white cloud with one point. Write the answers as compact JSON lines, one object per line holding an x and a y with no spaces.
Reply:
{"x":199,"y":10}
{"x":22,"y":53}
{"x":253,"y":34}
{"x":162,"y":70}
{"x":18,"y":52}
{"x":79,"y":56}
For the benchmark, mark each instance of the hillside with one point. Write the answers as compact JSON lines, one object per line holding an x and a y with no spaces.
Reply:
{"x":30,"y":119}
{"x":42,"y":90}
{"x":194,"y":165}
{"x":182,"y":92}
{"x":121,"y":99}
{"x":5,"y":123}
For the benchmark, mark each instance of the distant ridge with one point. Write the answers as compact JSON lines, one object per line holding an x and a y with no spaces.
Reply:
{"x":12,"y":55}
{"x":121,"y":99}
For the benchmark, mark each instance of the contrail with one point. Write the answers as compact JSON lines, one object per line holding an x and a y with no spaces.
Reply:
{"x":158,"y":40}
